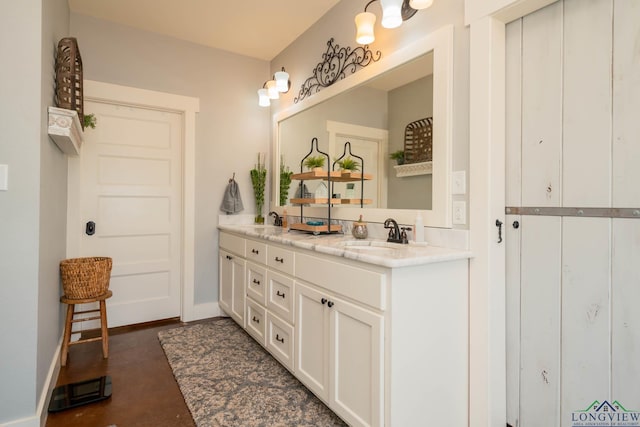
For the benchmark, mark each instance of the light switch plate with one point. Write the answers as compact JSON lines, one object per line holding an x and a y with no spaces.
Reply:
{"x":4,"y":177}
{"x":459,"y":183}
{"x":459,"y":213}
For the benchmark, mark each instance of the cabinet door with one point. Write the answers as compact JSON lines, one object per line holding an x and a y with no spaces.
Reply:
{"x":239,"y":291}
{"x":356,"y":363}
{"x":312,"y":340}
{"x":225,"y":281}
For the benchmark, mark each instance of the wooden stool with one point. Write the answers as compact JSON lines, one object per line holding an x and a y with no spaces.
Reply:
{"x":104,"y":336}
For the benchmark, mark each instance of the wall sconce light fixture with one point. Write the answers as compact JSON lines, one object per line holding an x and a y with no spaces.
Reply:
{"x":393,"y":13}
{"x":273,"y":88}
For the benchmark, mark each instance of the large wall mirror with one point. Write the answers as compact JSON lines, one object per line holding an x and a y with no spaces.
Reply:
{"x":371,"y":110}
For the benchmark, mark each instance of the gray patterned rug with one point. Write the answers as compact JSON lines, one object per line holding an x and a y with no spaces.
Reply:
{"x":227,"y":379}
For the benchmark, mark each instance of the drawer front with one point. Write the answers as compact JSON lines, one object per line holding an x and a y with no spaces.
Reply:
{"x":256,"y":251}
{"x":365,"y":286}
{"x":232,"y":243}
{"x":280,"y":340}
{"x":257,"y":283}
{"x":281,"y":259}
{"x":256,"y":321}
{"x":280,"y":296}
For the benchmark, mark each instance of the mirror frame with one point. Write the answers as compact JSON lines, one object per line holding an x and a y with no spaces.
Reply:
{"x":441,"y":43}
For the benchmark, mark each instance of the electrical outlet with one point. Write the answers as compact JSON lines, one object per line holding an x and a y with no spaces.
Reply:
{"x":459,"y":213}
{"x":459,"y":183}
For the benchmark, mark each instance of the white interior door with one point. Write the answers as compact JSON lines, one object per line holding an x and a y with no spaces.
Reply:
{"x":131,"y":188}
{"x":372,"y":145}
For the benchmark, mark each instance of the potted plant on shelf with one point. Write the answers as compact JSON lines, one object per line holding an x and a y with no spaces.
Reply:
{"x":398,"y":156}
{"x":314,"y":163}
{"x":285,"y":182}
{"x":89,"y":121}
{"x":258,"y":180}
{"x":348,"y":164}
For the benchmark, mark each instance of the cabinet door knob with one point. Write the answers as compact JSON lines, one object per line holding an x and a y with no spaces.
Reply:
{"x":229,"y":257}
{"x":255,"y":251}
{"x":323,"y":301}
{"x":280,"y":294}
{"x":280,"y":260}
{"x":279,"y":339}
{"x":330,"y":303}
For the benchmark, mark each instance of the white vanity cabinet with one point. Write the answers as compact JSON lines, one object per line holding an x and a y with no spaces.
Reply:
{"x":380,"y":345}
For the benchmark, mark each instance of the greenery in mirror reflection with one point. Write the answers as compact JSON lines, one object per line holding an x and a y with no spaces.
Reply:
{"x":285,"y":182}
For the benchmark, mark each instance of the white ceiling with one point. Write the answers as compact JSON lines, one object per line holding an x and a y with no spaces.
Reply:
{"x":255,"y":28}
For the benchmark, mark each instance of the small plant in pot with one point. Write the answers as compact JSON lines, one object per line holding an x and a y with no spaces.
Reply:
{"x":398,"y":156}
{"x":348,"y":164}
{"x":314,"y":162}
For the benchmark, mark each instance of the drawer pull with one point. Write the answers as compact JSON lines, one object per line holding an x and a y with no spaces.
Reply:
{"x":280,"y":294}
{"x":279,"y":339}
{"x":255,"y":319}
{"x":256,"y":281}
{"x":323,"y":301}
{"x":229,"y":257}
{"x":280,"y":260}
{"x":330,"y":303}
{"x":255,"y":251}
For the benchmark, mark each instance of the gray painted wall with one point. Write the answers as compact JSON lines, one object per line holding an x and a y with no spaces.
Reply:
{"x":231,"y":127}
{"x":301,"y":57}
{"x":33,"y":210}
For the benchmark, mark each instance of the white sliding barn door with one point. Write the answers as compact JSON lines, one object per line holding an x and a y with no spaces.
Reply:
{"x":573,"y":214}
{"x":130,"y":186}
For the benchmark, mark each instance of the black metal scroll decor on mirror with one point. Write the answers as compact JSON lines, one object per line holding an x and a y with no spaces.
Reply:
{"x":336,"y":63}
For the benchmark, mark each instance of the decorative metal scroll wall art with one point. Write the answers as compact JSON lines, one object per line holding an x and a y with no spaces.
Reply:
{"x":336,"y":63}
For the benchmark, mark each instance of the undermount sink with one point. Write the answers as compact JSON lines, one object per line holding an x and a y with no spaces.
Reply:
{"x":372,"y":247}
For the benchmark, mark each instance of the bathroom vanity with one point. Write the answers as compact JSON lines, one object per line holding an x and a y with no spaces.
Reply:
{"x":378,"y":331}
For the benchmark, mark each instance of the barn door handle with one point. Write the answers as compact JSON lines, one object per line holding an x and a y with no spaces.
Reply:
{"x":499,"y":225}
{"x":90,"y":228}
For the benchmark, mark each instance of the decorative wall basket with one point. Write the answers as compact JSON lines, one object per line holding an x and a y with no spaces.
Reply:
{"x":418,"y":141}
{"x":69,"y":77}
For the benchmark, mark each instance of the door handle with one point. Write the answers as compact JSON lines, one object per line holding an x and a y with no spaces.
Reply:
{"x":90,"y":228}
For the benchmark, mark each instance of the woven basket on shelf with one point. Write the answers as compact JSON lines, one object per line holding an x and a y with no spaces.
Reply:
{"x":69,"y":80}
{"x":418,"y":141}
{"x":84,"y":278}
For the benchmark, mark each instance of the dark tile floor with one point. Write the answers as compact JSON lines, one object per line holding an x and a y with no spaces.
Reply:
{"x":144,"y":390}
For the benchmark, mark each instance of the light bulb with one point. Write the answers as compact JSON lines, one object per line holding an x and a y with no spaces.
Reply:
{"x":263,"y":98}
{"x":282,"y":81}
{"x":272,"y":90}
{"x":364,"y":27}
{"x":391,"y":13}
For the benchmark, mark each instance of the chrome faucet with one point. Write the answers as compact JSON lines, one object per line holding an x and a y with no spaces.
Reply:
{"x":394,"y":230}
{"x":277,"y":219}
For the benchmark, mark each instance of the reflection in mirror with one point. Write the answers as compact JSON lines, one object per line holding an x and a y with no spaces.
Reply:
{"x":371,"y":109}
{"x":373,"y":117}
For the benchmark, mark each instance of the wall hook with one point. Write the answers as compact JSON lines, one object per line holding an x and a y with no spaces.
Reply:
{"x":499,"y":225}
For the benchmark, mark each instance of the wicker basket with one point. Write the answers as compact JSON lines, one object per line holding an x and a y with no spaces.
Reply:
{"x":69,"y":81}
{"x":84,"y":278}
{"x":418,"y":141}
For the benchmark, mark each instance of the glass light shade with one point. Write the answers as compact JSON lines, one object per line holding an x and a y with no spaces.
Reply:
{"x":391,"y":13}
{"x":263,"y":98}
{"x":282,"y":81}
{"x":420,"y":4}
{"x":272,"y":90}
{"x":364,"y":27}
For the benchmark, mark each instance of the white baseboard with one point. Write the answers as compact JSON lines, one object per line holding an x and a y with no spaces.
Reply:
{"x":39,"y":419}
{"x":203,"y":311}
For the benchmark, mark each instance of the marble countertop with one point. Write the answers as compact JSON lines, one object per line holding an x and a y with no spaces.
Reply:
{"x":372,"y":251}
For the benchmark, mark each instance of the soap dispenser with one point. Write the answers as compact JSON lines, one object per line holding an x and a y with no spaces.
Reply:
{"x":418,"y":229}
{"x":359,"y":229}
